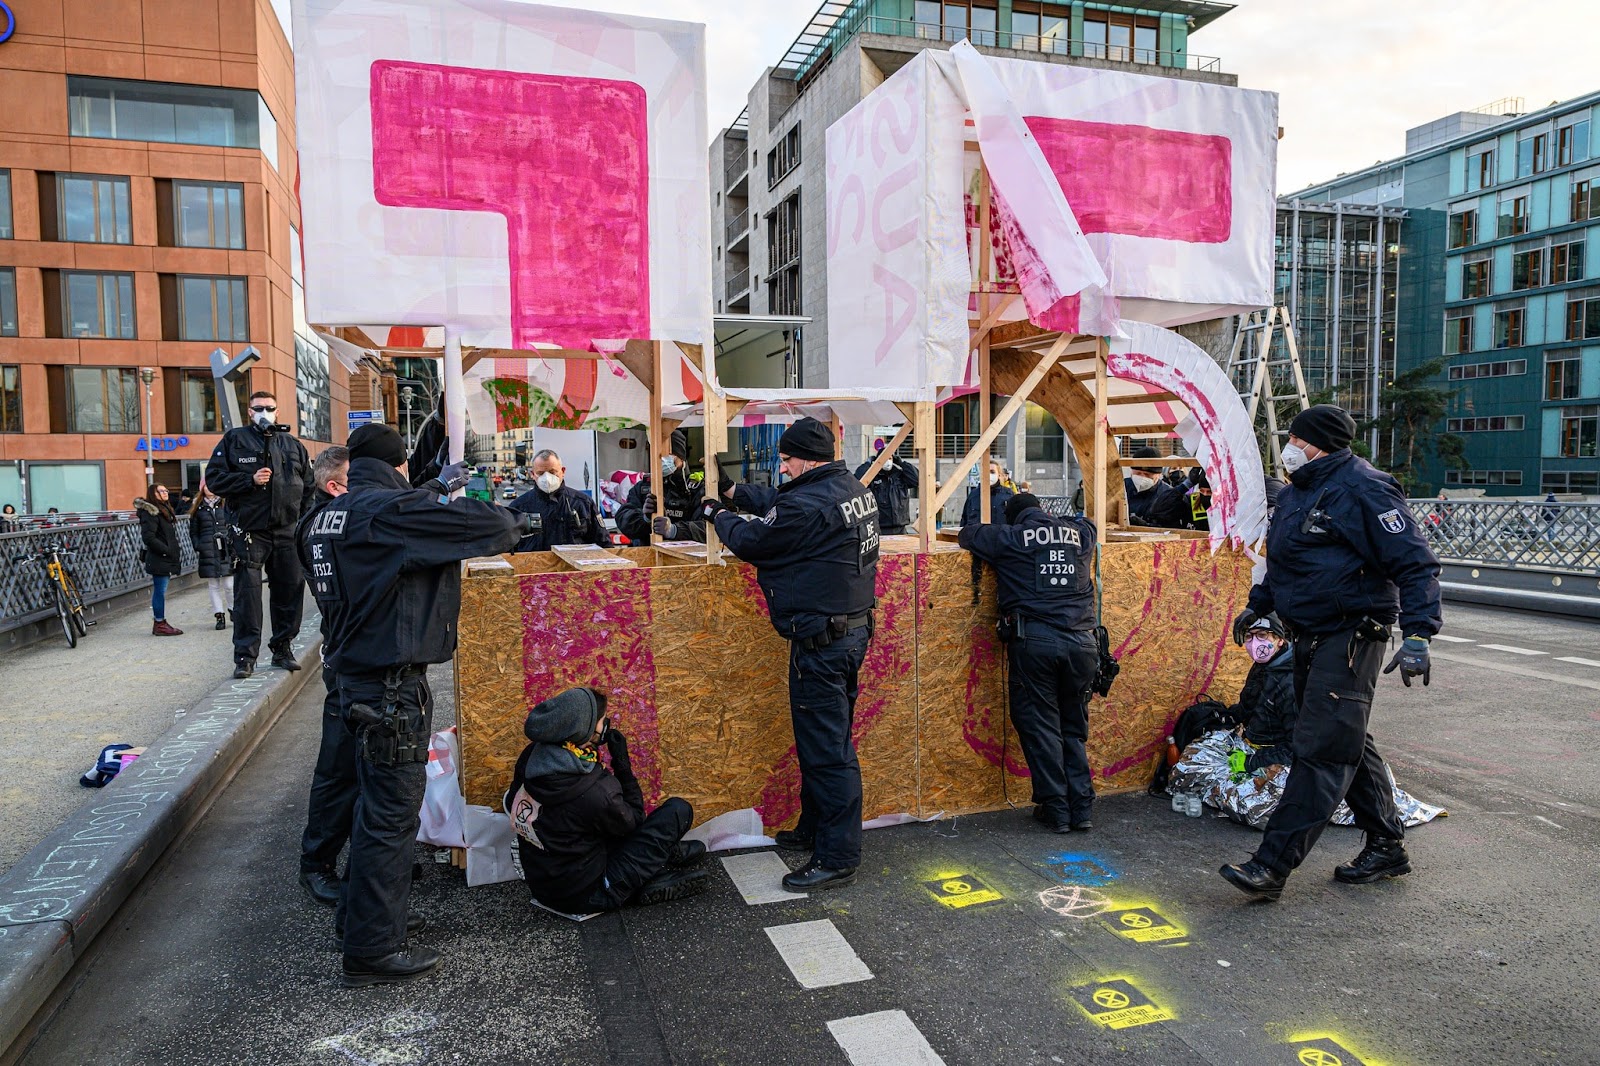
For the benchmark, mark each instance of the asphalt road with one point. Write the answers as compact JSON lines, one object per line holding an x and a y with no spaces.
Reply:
{"x":1485,"y":954}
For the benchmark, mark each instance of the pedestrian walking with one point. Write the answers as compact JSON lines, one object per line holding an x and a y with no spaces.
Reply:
{"x":163,"y":560}
{"x":1345,"y":559}
{"x":209,"y":532}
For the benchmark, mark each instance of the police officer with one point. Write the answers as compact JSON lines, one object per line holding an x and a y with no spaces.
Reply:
{"x":815,"y":550}
{"x":265,"y":475}
{"x":1152,"y":499}
{"x":562,"y":514}
{"x":893,"y":488}
{"x":999,"y":493}
{"x":1044,"y":570}
{"x":384,"y":571}
{"x":682,"y":490}
{"x":1344,"y":560}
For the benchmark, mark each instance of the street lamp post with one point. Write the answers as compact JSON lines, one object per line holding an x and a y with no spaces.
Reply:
{"x":406,"y":396}
{"x":149,"y":376}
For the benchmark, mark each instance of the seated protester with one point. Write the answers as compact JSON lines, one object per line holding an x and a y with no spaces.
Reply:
{"x":682,"y":490}
{"x":584,"y":839}
{"x":1152,"y":499}
{"x":1266,"y":702}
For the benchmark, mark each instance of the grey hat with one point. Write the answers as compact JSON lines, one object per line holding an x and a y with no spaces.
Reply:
{"x":565,"y":718}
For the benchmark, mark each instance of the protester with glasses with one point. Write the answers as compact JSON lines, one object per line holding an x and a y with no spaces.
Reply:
{"x":264,"y":474}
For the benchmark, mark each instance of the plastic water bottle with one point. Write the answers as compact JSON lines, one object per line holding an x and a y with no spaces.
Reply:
{"x":1180,"y":803}
{"x":1194,"y":807}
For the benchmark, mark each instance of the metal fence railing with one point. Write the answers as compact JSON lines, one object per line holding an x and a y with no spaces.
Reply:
{"x":105,"y":562}
{"x":1513,"y":533}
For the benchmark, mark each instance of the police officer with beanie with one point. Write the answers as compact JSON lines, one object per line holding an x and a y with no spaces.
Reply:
{"x":1044,"y":570}
{"x":682,"y":490}
{"x":1344,"y":560}
{"x":265,"y":475}
{"x":815,"y":550}
{"x":385,"y":573}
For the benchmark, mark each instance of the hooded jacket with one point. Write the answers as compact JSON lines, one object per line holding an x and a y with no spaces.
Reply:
{"x":162,"y":555}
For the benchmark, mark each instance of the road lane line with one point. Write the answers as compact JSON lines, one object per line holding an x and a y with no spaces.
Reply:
{"x":1575,"y":659}
{"x":759,"y":877}
{"x":818,"y":954}
{"x":1453,"y":640}
{"x":1520,"y":671}
{"x":887,"y":1038}
{"x":1513,"y":651}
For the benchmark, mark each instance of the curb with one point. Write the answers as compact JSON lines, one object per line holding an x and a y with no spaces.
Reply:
{"x":68,"y":888}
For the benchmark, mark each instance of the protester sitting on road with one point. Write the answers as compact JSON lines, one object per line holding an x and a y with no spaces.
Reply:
{"x":584,"y":839}
{"x":1267,"y":706}
{"x":163,"y":560}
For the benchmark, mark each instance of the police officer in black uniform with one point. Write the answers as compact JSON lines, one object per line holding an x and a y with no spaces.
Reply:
{"x":683,"y":492}
{"x":562,"y":514}
{"x":1044,"y":569}
{"x":1152,"y":499}
{"x":815,"y":549}
{"x":384,"y":571}
{"x":893,"y":488}
{"x":1344,"y":560}
{"x":265,"y":475}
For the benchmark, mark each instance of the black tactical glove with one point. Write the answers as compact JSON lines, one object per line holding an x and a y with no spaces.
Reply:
{"x":454,"y":477}
{"x":1241,"y":625}
{"x":709,"y":509}
{"x":724,"y":484}
{"x":617,"y":748}
{"x":663,"y":527}
{"x":1412,"y":659}
{"x":651,"y":504}
{"x":527,"y":524}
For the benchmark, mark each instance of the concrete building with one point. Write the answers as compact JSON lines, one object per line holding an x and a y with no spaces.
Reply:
{"x":1496,"y":274}
{"x":767,"y":169}
{"x":147,"y":157}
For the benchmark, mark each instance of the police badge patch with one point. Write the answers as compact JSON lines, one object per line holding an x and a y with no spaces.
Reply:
{"x":770,"y":517}
{"x":1392,"y":521}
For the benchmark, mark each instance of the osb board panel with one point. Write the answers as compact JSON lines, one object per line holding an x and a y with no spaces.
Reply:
{"x":489,"y":683}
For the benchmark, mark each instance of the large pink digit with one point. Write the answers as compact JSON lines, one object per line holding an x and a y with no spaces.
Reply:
{"x":564,"y":160}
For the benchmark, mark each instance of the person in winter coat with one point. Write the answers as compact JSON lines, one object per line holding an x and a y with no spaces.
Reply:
{"x":971,"y":511}
{"x":893,"y":488}
{"x":584,"y":839}
{"x":158,"y":527}
{"x":1267,"y":704}
{"x":211,"y":533}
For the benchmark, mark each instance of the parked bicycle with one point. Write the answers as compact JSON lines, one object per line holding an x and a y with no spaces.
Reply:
{"x":64,"y":589}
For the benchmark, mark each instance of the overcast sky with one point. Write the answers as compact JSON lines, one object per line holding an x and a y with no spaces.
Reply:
{"x":1352,"y":76}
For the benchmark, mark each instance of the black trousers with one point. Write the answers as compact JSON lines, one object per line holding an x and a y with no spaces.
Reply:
{"x":634,"y":860}
{"x":822,"y":706}
{"x":334,"y":785}
{"x":1051,"y":671}
{"x":273,"y":553}
{"x":383,"y":833}
{"x":1335,"y":675}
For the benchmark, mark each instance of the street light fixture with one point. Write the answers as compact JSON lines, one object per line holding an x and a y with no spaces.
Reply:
{"x":407,"y":394}
{"x":149,"y":376}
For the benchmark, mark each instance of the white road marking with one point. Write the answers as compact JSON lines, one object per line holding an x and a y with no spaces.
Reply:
{"x":818,"y":954}
{"x":1547,"y":821}
{"x":1453,"y":640}
{"x":759,"y":877}
{"x":1576,"y":659}
{"x":1520,"y":671}
{"x":887,"y":1038}
{"x":1513,"y":651}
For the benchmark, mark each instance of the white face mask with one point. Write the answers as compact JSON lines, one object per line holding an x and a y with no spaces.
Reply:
{"x":262,"y":419}
{"x":1294,"y":457}
{"x":549,"y":481}
{"x":994,"y":479}
{"x":668,"y":465}
{"x":1142,"y":483}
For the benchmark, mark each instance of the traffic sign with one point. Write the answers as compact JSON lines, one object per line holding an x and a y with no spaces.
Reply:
{"x":361,"y":418}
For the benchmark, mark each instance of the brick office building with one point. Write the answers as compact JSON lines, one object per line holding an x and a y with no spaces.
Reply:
{"x":147,"y":175}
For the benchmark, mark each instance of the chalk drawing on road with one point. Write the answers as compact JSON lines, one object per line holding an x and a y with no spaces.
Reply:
{"x":1077,"y":868}
{"x":391,"y":1041}
{"x":1074,"y":901}
{"x":960,"y":890}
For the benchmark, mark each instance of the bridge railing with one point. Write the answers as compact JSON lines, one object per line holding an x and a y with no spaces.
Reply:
{"x":105,"y":562}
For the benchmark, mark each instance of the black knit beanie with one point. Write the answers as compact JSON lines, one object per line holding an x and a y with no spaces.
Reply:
{"x":1019,"y":503}
{"x":1328,"y":427}
{"x":807,"y":439}
{"x":377,"y":441}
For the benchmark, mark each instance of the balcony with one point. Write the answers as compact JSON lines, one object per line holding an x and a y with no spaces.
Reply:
{"x":1048,"y":45}
{"x":738,"y":226}
{"x":738,"y":283}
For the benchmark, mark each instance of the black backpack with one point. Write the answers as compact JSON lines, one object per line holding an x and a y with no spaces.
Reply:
{"x":1204,"y":715}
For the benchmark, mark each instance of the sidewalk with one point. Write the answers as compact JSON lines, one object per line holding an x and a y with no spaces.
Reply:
{"x":59,"y":706}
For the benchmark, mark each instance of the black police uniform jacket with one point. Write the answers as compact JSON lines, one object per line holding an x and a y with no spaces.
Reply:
{"x":972,"y":510}
{"x":1163,"y":505}
{"x":680,"y":500}
{"x":567,"y":517}
{"x":1044,"y":566}
{"x":382,"y":561}
{"x":231,"y":470}
{"x":814,"y":546}
{"x":892,"y":488}
{"x":1344,"y":546}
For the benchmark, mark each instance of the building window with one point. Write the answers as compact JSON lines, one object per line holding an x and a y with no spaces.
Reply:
{"x":783,"y":234}
{"x":6,"y":232}
{"x":1531,"y":153}
{"x":1119,"y":37}
{"x":198,"y":391}
{"x":1494,"y":424}
{"x":1585,"y":200}
{"x":1480,"y":168}
{"x":1483,"y":477}
{"x":170,"y":114}
{"x":8,"y":303}
{"x":1572,"y":142}
{"x":1464,"y":228}
{"x":1458,"y":331}
{"x":985,"y":23}
{"x":311,"y":389}
{"x":10,"y":399}
{"x":207,"y":215}
{"x":1583,"y":316}
{"x":92,"y":209}
{"x":1508,"y":328}
{"x":212,"y":309}
{"x":97,"y":305}
{"x":1561,"y":375}
{"x":1037,"y":27}
{"x":1527,"y":268}
{"x":784,"y":157}
{"x":1475,"y":278}
{"x":1566,"y":262}
{"x":102,"y":399}
{"x":1580,"y":431}
{"x":1513,"y":216}
{"x":73,"y":487}
{"x":1502,"y":369}
{"x":1584,"y":482}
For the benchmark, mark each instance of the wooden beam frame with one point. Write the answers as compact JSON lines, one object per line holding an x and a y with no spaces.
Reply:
{"x":887,"y":453}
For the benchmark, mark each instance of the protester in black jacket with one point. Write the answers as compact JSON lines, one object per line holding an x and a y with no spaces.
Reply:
{"x":893,"y":488}
{"x":1267,"y":704}
{"x":210,"y":531}
{"x":163,"y":559}
{"x":584,"y":839}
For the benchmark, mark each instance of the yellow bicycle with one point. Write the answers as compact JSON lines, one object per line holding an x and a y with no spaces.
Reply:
{"x":64,"y":592}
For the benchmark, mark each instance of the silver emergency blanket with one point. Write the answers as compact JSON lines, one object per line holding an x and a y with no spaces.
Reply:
{"x":1250,"y":799}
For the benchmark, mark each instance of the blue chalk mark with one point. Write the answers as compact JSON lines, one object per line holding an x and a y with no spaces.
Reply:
{"x":1078,"y":868}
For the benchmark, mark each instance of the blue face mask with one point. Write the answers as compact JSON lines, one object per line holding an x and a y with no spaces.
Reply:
{"x":668,"y":465}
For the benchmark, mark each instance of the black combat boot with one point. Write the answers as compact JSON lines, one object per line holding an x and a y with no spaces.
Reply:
{"x":673,"y":884}
{"x":686,"y":853}
{"x":1254,"y":879}
{"x":1382,"y":857}
{"x":401,"y":965}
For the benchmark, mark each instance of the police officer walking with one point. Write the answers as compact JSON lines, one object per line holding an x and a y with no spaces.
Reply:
{"x":682,"y":490}
{"x":1344,"y":559}
{"x":265,"y":475}
{"x":1044,"y":570}
{"x":893,"y":488}
{"x":561,"y":514}
{"x":385,"y":573}
{"x":815,"y":550}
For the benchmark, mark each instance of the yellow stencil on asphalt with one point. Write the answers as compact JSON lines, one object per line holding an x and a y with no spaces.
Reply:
{"x":960,"y":890}
{"x":1142,"y":925}
{"x":1116,"y":1004}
